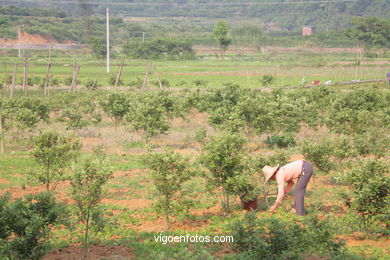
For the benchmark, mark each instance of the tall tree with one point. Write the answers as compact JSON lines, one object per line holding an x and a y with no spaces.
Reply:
{"x":221,"y":35}
{"x":371,"y":31}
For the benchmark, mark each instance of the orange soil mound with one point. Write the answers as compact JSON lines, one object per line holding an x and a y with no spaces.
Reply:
{"x":26,"y":38}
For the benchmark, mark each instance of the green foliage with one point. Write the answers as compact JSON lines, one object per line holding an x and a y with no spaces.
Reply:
{"x":116,"y":106}
{"x":283,"y":140}
{"x":246,"y":185}
{"x":275,"y":238}
{"x":25,"y":225}
{"x":201,"y":135}
{"x":25,"y":112}
{"x":136,"y":82}
{"x":200,"y":83}
{"x":87,"y":190}
{"x":357,"y":111}
{"x":90,"y":84}
{"x":372,"y":31}
{"x":280,"y":157}
{"x":318,"y":154}
{"x":369,"y":191}
{"x":158,"y":49}
{"x":41,"y":12}
{"x":98,"y":46}
{"x":373,"y":142}
{"x":222,"y":155}
{"x":220,"y":33}
{"x":54,"y":153}
{"x":77,"y":111}
{"x":343,"y":148}
{"x":150,"y":113}
{"x":249,"y":35}
{"x":267,"y":79}
{"x":169,"y":172}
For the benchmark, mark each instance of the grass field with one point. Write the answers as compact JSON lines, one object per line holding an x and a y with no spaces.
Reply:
{"x":288,"y":69}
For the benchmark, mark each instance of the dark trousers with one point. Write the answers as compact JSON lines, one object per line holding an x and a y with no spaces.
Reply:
{"x":300,"y":188}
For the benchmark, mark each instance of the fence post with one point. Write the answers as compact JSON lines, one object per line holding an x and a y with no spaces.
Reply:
{"x":46,"y":86}
{"x":74,"y":81}
{"x":158,"y":77}
{"x":1,"y":133}
{"x":146,"y":80}
{"x":5,"y":78}
{"x":25,"y":76}
{"x":118,"y":76}
{"x":11,"y":94}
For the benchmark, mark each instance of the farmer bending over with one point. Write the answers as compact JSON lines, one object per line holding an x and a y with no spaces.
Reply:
{"x":300,"y":170}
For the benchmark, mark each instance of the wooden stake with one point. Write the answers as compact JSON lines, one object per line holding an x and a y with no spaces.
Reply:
{"x":5,"y":77}
{"x":74,"y":81}
{"x":158,"y":77}
{"x":47,"y":81}
{"x":118,"y":75}
{"x":11,"y":94}
{"x":25,"y":76}
{"x":146,"y":76}
{"x":1,"y":133}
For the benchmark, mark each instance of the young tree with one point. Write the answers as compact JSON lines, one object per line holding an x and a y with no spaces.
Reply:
{"x":169,"y":171}
{"x":54,"y":153}
{"x":223,"y":156}
{"x":220,"y":33}
{"x":87,"y":190}
{"x":25,"y":225}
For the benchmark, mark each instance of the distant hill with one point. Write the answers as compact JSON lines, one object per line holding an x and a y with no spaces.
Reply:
{"x":289,"y":15}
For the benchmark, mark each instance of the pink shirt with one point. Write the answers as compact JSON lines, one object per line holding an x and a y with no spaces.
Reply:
{"x":287,"y":173}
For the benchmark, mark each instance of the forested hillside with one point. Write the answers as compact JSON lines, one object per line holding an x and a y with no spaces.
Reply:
{"x":290,"y":15}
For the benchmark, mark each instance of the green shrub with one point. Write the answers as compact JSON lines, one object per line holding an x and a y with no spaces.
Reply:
{"x":200,"y":83}
{"x":137,"y":82}
{"x":369,"y":190}
{"x":150,"y":113}
{"x":112,"y":79}
{"x":280,"y":157}
{"x":373,"y":142}
{"x":318,"y":154}
{"x":90,"y":84}
{"x":267,"y":80}
{"x":274,"y":238}
{"x":68,"y":81}
{"x":25,"y":225}
{"x":116,"y":106}
{"x":343,"y":148}
{"x":283,"y":140}
{"x":201,"y":135}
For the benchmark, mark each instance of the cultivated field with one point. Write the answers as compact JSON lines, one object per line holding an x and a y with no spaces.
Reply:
{"x":242,"y":102}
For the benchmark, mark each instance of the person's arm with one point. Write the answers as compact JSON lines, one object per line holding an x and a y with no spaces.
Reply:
{"x":281,"y":193}
{"x":290,"y":185}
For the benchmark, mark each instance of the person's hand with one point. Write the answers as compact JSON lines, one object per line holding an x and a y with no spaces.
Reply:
{"x":272,"y":208}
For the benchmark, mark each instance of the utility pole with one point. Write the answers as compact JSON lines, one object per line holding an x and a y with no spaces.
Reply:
{"x":19,"y":41}
{"x":108,"y":40}
{"x":143,"y":36}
